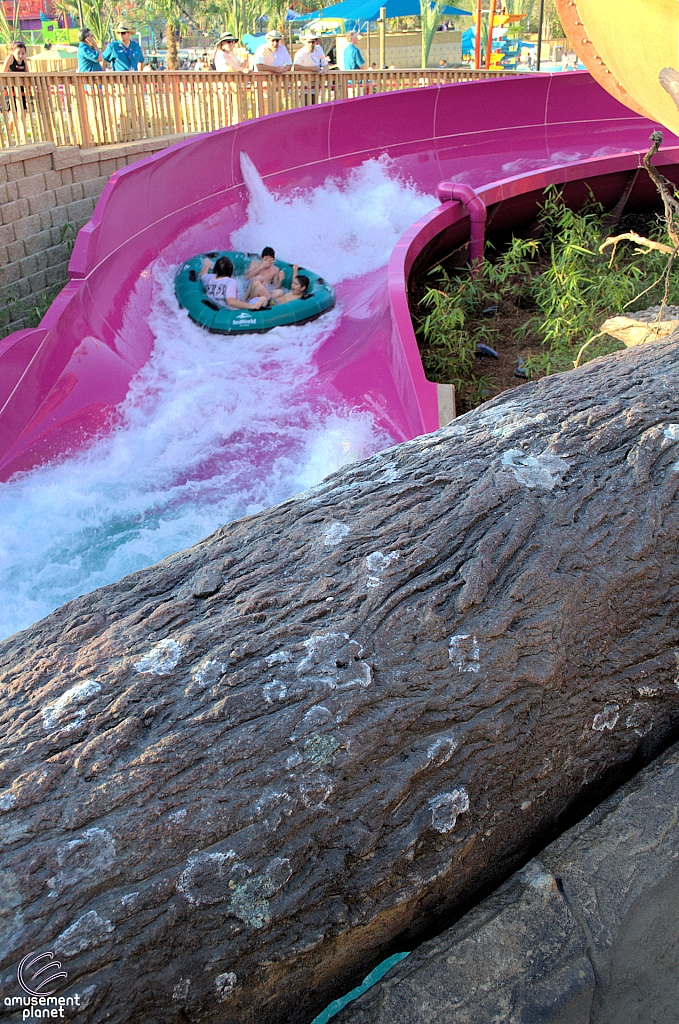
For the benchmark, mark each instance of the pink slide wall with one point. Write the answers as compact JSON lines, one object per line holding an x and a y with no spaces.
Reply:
{"x":60,"y":382}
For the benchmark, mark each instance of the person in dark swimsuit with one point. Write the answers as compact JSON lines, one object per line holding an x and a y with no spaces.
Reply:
{"x":16,"y":58}
{"x":14,"y":62}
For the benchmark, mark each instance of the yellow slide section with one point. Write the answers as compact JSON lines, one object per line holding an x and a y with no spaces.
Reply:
{"x":625,"y":44}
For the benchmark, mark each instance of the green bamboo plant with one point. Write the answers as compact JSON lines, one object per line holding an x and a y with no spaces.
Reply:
{"x":9,"y":30}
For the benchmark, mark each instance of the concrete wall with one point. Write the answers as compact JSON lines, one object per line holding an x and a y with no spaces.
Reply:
{"x":404,"y":49}
{"x":43,"y":190}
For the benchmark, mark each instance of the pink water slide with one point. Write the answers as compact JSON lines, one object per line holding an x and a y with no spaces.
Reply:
{"x":505,"y":140}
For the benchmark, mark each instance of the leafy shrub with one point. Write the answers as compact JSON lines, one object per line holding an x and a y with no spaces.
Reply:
{"x":564,"y":283}
{"x":575,"y":287}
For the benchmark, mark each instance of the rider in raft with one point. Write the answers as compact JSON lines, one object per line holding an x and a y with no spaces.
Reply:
{"x":221,"y":287}
{"x":262,"y":289}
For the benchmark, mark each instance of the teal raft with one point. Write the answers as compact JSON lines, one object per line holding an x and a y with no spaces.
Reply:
{"x":320,"y":297}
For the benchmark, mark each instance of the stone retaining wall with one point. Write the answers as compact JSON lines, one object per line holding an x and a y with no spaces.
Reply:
{"x":47,"y":193}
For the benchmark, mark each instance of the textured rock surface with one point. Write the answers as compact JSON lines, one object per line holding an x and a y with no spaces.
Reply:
{"x":588,"y":933}
{"x":235,"y":781}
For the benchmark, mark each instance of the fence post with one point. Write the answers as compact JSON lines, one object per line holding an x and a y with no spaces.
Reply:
{"x":85,"y":139}
{"x":383,"y":36}
{"x":42,"y":100}
{"x":176,"y":105}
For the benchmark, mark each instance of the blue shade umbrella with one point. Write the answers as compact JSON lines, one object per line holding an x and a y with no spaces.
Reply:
{"x":251,"y":42}
{"x":369,"y":10}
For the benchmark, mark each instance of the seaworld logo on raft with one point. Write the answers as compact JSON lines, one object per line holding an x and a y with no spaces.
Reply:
{"x":37,"y":1003}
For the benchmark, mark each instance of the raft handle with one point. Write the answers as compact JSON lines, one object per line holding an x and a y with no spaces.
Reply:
{"x":210,"y":304}
{"x":193,"y":275}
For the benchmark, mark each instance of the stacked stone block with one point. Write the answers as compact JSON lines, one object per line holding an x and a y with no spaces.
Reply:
{"x":47,"y":193}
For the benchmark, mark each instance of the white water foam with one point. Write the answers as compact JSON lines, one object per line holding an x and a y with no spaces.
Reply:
{"x":210,"y":430}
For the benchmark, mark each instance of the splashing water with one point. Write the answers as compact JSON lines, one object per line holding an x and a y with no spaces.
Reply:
{"x":342,"y":229}
{"x":209,"y":431}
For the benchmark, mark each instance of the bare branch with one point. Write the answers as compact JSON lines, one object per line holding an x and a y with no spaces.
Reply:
{"x":669,"y":79}
{"x":632,"y":236}
{"x":664,"y":187}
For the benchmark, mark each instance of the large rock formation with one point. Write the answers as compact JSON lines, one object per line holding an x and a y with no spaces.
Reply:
{"x":587,"y":933}
{"x":235,"y":781}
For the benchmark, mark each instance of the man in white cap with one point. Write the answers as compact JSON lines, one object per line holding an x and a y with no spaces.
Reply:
{"x":272,"y":56}
{"x":124,"y":53}
{"x":226,"y":58}
{"x":311,"y":57}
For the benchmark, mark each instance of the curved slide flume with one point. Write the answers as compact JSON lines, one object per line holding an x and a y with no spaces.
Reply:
{"x":65,"y":382}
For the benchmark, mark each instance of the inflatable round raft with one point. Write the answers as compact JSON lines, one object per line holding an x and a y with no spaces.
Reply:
{"x":319,"y":298}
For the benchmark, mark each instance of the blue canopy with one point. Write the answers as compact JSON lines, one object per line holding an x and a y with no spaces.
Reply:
{"x":369,"y":10}
{"x":251,"y":42}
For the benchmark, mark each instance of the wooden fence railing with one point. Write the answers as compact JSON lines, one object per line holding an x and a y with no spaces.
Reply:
{"x":73,"y":109}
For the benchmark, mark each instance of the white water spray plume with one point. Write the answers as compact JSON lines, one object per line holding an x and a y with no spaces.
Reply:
{"x":212,"y":428}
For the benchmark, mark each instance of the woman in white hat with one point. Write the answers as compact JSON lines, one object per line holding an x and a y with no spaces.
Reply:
{"x":272,"y":56}
{"x":311,"y":56}
{"x":226,"y":58}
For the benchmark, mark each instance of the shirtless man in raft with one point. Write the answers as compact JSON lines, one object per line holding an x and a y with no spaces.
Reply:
{"x":264,"y":276}
{"x":267,"y":282}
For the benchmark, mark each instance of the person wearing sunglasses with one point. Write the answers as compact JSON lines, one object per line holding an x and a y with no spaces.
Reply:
{"x":272,"y":56}
{"x":311,"y":56}
{"x":124,"y":53}
{"x":226,"y":58}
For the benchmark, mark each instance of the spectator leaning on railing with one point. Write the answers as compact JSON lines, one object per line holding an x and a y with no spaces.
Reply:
{"x":16,"y":58}
{"x":124,"y":54}
{"x":226,"y":58}
{"x":311,"y":57}
{"x":272,"y":56}
{"x":89,"y":53}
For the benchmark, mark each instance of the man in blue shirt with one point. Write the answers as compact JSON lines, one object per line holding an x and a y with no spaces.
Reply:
{"x":88,"y":52}
{"x":353,"y":59}
{"x":124,"y":54}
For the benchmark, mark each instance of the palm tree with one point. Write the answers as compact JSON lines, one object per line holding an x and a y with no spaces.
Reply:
{"x":171,"y":11}
{"x":430,"y":16}
{"x":275,"y":11}
{"x":97,"y":15}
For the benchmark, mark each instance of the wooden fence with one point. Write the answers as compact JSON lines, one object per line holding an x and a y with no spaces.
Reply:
{"x":101,"y":109}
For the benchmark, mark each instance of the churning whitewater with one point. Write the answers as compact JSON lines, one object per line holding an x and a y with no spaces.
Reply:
{"x":211,"y":429}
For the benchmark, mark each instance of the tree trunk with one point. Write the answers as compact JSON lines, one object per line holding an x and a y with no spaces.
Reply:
{"x":172,"y":57}
{"x":235,"y":781}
